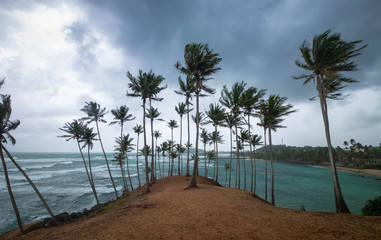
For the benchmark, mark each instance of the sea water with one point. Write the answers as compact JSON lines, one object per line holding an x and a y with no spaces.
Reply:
{"x":61,"y":178}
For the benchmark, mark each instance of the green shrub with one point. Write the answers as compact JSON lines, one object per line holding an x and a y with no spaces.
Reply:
{"x":372,"y":207}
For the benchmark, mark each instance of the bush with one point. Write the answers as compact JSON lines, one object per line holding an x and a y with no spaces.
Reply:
{"x":372,"y":207}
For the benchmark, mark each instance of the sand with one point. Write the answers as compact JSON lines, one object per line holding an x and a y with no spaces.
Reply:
{"x":209,"y":212}
{"x":375,"y":172}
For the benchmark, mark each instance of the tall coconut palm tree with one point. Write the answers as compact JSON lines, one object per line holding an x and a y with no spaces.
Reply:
{"x":96,"y":114}
{"x":124,"y":146}
{"x":121,"y":116}
{"x":216,"y":115}
{"x":119,"y":158}
{"x":275,"y":109}
{"x":250,"y":102}
{"x":128,"y":147}
{"x":215,"y":138}
{"x":187,"y":89}
{"x":138,"y":129}
{"x":6,"y":125}
{"x":145,"y":86}
{"x":181,"y":109}
{"x":329,"y":56}
{"x":233,"y":100}
{"x":172,"y":124}
{"x":230,"y":122}
{"x":200,"y":64}
{"x":255,"y":140}
{"x":74,"y":130}
{"x":180,"y":150}
{"x":157,"y":134}
{"x":164,"y":148}
{"x":244,"y":138}
{"x":153,"y":113}
{"x":204,"y":135}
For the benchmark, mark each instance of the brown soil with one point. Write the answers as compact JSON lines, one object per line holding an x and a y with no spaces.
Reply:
{"x":209,"y":212}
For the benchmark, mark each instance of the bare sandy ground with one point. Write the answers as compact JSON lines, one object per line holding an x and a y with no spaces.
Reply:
{"x":374,"y":172}
{"x":209,"y":212}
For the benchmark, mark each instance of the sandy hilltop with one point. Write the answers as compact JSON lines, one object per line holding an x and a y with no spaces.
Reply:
{"x":208,"y":212}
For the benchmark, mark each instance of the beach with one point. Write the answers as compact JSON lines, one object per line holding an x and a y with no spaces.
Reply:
{"x":208,"y":212}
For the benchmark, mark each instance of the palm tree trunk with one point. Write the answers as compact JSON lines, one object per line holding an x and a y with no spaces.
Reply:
{"x":214,"y":162}
{"x":104,"y":154}
{"x":217,"y":156}
{"x":251,"y":155}
{"x":193,"y":182}
{"x":10,"y":191}
{"x":153,"y":173}
{"x":272,"y":168}
{"x":145,"y":145}
{"x":187,"y":174}
{"x":340,"y":204}
{"x":244,"y":165}
{"x":181,"y":135}
{"x":123,"y":176}
{"x":264,"y":134}
{"x":206,"y":171}
{"x":128,"y":173}
{"x":238,"y":164}
{"x":172,"y":151}
{"x":156,"y":157}
{"x":88,"y":176}
{"x":137,"y":159}
{"x":231,"y":155}
{"x":255,"y":170}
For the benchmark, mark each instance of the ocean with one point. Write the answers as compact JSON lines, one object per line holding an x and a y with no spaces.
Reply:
{"x":61,"y":178}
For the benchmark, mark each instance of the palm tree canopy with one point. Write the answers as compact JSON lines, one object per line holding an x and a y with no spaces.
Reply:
{"x":138,"y":129}
{"x":88,"y":137}
{"x":153,"y":113}
{"x":244,"y":136}
{"x":94,"y":112}
{"x":216,"y":114}
{"x":145,"y":85}
{"x":328,"y":56}
{"x":172,"y":124}
{"x":74,"y":130}
{"x":204,"y":135}
{"x":210,"y":154}
{"x":157,"y":134}
{"x":255,"y":140}
{"x":6,"y":125}
{"x":233,"y":99}
{"x":124,"y":144}
{"x":202,"y":118}
{"x":186,"y":89}
{"x":215,"y":137}
{"x":274,"y":108}
{"x":121,"y":115}
{"x":181,"y":109}
{"x":250,"y":99}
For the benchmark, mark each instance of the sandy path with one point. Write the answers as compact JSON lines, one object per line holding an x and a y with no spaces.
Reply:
{"x":210,"y":212}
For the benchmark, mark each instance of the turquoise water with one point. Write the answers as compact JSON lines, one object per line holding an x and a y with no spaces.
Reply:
{"x":62,"y":180}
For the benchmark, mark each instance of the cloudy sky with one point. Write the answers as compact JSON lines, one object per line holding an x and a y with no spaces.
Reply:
{"x":57,"y":55}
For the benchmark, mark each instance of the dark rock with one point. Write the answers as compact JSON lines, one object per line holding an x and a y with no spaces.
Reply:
{"x":62,"y":218}
{"x":76,"y":215}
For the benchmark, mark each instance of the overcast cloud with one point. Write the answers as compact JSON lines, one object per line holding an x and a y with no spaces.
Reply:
{"x":57,"y":55}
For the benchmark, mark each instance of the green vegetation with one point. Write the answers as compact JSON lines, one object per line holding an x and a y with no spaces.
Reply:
{"x":372,"y":207}
{"x":115,"y":204}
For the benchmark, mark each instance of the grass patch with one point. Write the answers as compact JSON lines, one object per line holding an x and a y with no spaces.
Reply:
{"x":115,"y":204}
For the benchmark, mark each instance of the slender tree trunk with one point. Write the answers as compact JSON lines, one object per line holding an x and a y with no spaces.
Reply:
{"x":217,"y":157}
{"x":231,"y":155}
{"x":244,"y":165}
{"x":104,"y":154}
{"x":137,"y":159}
{"x":214,"y":162}
{"x":206,"y":171}
{"x":172,"y":152}
{"x":238,"y":163}
{"x":88,"y":176}
{"x":153,"y":173}
{"x":251,"y":155}
{"x":10,"y":191}
{"x":145,"y":146}
{"x":181,"y":133}
{"x":156,"y":157}
{"x":187,"y":174}
{"x":264,"y":134}
{"x":128,"y":172}
{"x":272,"y":168}
{"x":123,"y":176}
{"x":193,"y":182}
{"x":226,"y":176}
{"x":340,"y":204}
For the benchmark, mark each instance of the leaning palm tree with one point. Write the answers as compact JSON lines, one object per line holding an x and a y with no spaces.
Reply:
{"x":124,"y":146}
{"x":145,"y":86}
{"x":250,"y":102}
{"x":74,"y":130}
{"x":200,"y":64}
{"x":204,"y":135}
{"x":153,"y":113}
{"x":96,"y":114}
{"x":172,"y":124}
{"x":138,"y":129}
{"x":329,"y":56}
{"x":275,"y":108}
{"x":121,"y":116}
{"x":233,"y":100}
{"x":119,"y":158}
{"x":157,"y":134}
{"x":255,"y":140}
{"x":128,"y":147}
{"x":6,"y":125}
{"x":216,"y":114}
{"x":215,"y":138}
{"x":244,"y":138}
{"x":181,"y":110}
{"x":187,"y":89}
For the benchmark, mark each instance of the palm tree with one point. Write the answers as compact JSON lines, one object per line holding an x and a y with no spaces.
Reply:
{"x":96,"y":114}
{"x":187,"y":89}
{"x":216,"y":114}
{"x":215,"y":138}
{"x":273,"y":112}
{"x":157,"y":134}
{"x":210,"y":155}
{"x":263,"y":123}
{"x":146,"y":86}
{"x":138,"y":129}
{"x":255,"y":140}
{"x":244,"y":137}
{"x":121,"y":116}
{"x":181,"y":110}
{"x":128,"y":147}
{"x":201,"y":63}
{"x":204,"y":135}
{"x":75,"y":130}
{"x":172,"y":124}
{"x":119,"y":158}
{"x":6,"y":125}
{"x":164,"y":147}
{"x":180,"y":150}
{"x":250,"y":102}
{"x":233,"y":100}
{"x":227,"y":166}
{"x":329,"y":56}
{"x":124,"y":146}
{"x":153,"y":113}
